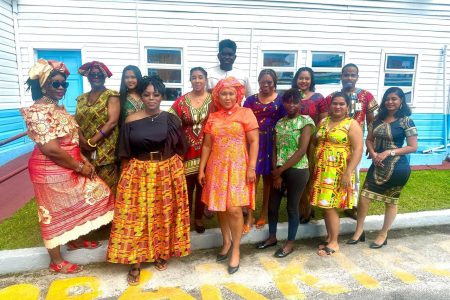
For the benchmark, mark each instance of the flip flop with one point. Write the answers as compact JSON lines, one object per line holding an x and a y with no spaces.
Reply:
{"x":134,"y":279}
{"x":327,"y":251}
{"x":160,"y":264}
{"x":71,"y":246}
{"x":260,"y":223}
{"x":246,"y":229}
{"x":322,"y":245}
{"x":59,"y":268}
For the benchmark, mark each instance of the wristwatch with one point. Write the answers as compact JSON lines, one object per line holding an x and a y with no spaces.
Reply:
{"x":392,"y":153}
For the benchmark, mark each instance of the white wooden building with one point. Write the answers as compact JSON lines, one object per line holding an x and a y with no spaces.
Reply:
{"x":396,"y":42}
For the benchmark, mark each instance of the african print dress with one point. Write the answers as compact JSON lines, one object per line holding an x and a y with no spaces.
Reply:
{"x":226,"y":169}
{"x":333,"y":151}
{"x":151,"y":218}
{"x":310,"y":107}
{"x":131,"y":106}
{"x":91,"y":118}
{"x":193,"y":121}
{"x":69,"y":205}
{"x":385,"y":183}
{"x":267,"y":116}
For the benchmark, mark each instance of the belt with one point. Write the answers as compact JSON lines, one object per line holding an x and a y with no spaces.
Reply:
{"x":150,"y":156}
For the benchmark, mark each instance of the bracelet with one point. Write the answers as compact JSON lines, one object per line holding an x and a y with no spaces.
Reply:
{"x":251,"y":168}
{"x":79,"y":167}
{"x":90,"y":145}
{"x":102,"y":133}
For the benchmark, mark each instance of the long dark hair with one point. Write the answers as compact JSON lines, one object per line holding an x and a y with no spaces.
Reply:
{"x":403,"y":111}
{"x":123,"y":86}
{"x":35,"y":87}
{"x":312,"y":87}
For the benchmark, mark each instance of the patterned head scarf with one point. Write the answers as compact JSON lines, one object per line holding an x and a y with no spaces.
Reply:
{"x":85,"y":69}
{"x":42,"y":69}
{"x":229,"y":82}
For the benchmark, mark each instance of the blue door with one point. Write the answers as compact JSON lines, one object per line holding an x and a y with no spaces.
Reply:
{"x":72,"y":59}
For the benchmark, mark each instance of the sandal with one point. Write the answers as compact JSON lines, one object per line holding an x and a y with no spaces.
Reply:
{"x":260,"y":223}
{"x":322,"y":245}
{"x":160,"y":264}
{"x":59,"y":268}
{"x":71,"y":246}
{"x":134,"y":279}
{"x":246,"y":229}
{"x":327,"y":251}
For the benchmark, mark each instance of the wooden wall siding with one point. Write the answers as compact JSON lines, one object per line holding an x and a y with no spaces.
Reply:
{"x":9,"y":80}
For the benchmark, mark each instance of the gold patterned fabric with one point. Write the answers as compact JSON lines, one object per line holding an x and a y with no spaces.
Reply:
{"x":69,"y":204}
{"x":151,"y":217}
{"x":131,"y":106}
{"x":91,"y":118}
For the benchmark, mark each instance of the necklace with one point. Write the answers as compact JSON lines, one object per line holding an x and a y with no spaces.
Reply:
{"x":154,"y":117}
{"x":48,"y":100}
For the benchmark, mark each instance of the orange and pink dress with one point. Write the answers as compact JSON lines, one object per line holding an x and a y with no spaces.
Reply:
{"x":226,"y":168}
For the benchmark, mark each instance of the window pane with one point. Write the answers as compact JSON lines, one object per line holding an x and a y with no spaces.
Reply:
{"x":401,"y":62}
{"x":167,"y":75}
{"x":408,"y":96}
{"x":164,"y":56}
{"x":279,"y":60}
{"x":327,"y":77}
{"x":172,"y":93}
{"x":327,"y":60}
{"x":285,"y":77}
{"x":392,"y":79}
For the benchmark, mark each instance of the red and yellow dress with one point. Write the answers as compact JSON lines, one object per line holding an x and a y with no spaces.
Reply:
{"x":331,"y":157}
{"x":226,"y":169}
{"x":69,"y":204}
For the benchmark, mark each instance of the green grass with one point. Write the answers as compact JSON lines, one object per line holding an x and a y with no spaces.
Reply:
{"x":426,"y":190}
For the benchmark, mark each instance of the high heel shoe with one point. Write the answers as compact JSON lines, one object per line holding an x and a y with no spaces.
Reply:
{"x":312,"y":215}
{"x":362,"y":238}
{"x":232,"y":270}
{"x":378,"y":246}
{"x":222,"y":257}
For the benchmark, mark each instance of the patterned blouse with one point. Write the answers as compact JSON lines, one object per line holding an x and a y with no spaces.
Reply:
{"x":131,"y":106}
{"x":193,"y":121}
{"x":91,"y":118}
{"x":288,"y":133}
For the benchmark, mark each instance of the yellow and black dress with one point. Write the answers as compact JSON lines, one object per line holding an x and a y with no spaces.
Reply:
{"x":151,"y":218}
{"x":385,"y":183}
{"x":91,"y":118}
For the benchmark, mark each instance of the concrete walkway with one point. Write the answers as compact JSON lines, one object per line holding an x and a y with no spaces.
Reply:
{"x":23,"y":260}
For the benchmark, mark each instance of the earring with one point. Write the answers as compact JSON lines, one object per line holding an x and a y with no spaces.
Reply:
{"x":43,"y":90}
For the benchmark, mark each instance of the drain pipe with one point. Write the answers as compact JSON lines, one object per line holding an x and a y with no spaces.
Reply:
{"x":446,"y":104}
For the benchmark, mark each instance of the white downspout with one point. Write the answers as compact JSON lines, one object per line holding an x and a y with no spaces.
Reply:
{"x":15,"y":12}
{"x":446,"y":105}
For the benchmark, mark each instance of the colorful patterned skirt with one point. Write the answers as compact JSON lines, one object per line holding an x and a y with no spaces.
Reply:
{"x":69,"y":205}
{"x":151,"y":218}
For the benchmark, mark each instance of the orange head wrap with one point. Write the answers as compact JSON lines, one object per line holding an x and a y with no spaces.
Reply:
{"x":229,"y":82}
{"x":42,"y":69}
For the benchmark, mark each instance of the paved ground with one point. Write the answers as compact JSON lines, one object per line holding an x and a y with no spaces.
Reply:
{"x":414,"y":265}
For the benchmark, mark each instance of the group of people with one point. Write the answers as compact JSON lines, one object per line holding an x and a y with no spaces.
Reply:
{"x":123,"y":159}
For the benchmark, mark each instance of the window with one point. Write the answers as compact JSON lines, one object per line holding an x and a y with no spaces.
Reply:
{"x":400,"y":71}
{"x":284,"y":63}
{"x":167,"y":64}
{"x":327,"y":67}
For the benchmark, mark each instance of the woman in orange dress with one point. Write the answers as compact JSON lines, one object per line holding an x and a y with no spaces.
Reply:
{"x":229,"y":179}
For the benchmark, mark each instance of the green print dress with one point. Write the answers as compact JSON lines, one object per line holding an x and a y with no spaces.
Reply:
{"x":332,"y":154}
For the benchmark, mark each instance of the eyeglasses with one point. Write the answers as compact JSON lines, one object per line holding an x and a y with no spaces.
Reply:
{"x":96,"y":75}
{"x":57,"y":84}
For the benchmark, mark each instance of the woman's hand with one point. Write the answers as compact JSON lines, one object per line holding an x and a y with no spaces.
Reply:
{"x":277,"y":183}
{"x":346,"y":180}
{"x":251,"y":175}
{"x":88,"y":170}
{"x":201,"y":178}
{"x":378,"y":160}
{"x":276,"y":173}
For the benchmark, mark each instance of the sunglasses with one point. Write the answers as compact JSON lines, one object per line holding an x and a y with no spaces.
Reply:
{"x":57,"y":84}
{"x":96,"y":75}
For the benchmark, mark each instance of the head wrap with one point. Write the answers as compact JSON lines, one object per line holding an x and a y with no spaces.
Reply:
{"x":85,"y":69}
{"x":229,"y":82}
{"x":42,"y":69}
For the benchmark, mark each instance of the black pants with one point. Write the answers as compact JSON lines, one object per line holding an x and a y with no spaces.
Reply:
{"x":192,"y":183}
{"x":294,"y":181}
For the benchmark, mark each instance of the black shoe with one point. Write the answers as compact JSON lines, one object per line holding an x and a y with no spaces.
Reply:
{"x":263,"y":245}
{"x":312,"y":214}
{"x":362,"y":238}
{"x":199,"y":228}
{"x":232,"y":270}
{"x":222,"y":257}
{"x":377,"y":246}
{"x":280,"y":253}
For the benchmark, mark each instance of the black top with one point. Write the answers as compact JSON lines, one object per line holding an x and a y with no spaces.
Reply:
{"x":163,"y":134}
